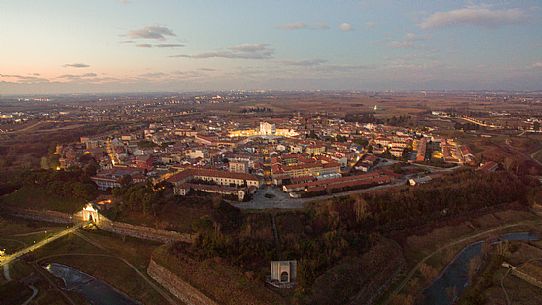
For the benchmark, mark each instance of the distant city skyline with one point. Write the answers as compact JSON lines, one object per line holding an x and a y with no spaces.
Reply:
{"x":69,"y":46}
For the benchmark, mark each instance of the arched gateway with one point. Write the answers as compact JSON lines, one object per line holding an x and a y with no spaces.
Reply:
{"x":283,"y":274}
{"x":90,"y":213}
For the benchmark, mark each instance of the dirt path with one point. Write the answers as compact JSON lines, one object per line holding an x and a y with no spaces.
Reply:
{"x":30,"y":233}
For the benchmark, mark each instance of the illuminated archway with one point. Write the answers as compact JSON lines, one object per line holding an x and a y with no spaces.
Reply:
{"x":91,"y":214}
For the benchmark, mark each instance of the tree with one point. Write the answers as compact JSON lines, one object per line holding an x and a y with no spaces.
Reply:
{"x":362,"y":142}
{"x":90,"y":169}
{"x":126,"y":180}
{"x":361,"y":209}
{"x":403,"y":299}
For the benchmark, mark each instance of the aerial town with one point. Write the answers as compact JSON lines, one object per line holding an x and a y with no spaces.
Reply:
{"x":236,"y":181}
{"x":307,"y":152}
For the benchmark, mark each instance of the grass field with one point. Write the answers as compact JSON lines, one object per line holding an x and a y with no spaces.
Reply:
{"x":38,"y":199}
{"x":103,"y":263}
{"x":17,"y":233}
{"x":109,"y":269}
{"x":229,"y":285}
{"x":177,"y":216}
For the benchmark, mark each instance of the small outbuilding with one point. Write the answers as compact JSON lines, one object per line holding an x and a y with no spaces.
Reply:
{"x":283,"y":274}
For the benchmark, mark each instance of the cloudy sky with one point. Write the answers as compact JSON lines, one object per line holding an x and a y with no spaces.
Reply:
{"x":71,"y":46}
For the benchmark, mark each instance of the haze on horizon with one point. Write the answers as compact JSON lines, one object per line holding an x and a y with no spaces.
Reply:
{"x":75,"y":46}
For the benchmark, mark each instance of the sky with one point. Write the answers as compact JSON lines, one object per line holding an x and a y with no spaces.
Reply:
{"x":81,"y":46}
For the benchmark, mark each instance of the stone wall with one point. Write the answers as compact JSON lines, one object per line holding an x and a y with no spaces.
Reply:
{"x":529,"y":279}
{"x":142,"y":232}
{"x":176,"y":286}
{"x":105,"y":224}
{"x":46,"y":215}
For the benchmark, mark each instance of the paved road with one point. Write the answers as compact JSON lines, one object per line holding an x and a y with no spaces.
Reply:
{"x":7,"y":276}
{"x":9,"y":258}
{"x":399,"y":183}
{"x":435,"y":169}
{"x":448,"y":245}
{"x":34,"y":294}
{"x":282,"y":200}
{"x":27,"y":128}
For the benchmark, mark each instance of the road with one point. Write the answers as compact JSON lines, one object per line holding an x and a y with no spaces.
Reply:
{"x":435,"y":169}
{"x":399,"y":183}
{"x":28,"y":128}
{"x":34,"y":294}
{"x":282,"y":200}
{"x":7,"y":276}
{"x":411,"y":273}
{"x":9,"y":258}
{"x":479,"y":123}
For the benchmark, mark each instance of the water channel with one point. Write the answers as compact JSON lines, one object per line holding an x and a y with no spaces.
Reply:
{"x":96,"y":292}
{"x":455,"y":275}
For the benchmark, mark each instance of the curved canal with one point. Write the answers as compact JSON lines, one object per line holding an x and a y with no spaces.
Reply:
{"x":96,"y":292}
{"x":455,"y":276}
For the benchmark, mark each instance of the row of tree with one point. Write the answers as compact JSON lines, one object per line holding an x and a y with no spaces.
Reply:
{"x":142,"y":197}
{"x":74,"y":183}
{"x":344,"y":226}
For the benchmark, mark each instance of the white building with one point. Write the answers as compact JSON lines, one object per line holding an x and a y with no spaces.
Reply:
{"x":267,"y":129}
{"x":283,"y":273}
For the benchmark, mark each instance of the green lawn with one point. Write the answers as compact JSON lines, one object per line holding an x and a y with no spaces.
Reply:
{"x":109,"y":269}
{"x":38,"y":199}
{"x":112,"y":270}
{"x":17,"y":233}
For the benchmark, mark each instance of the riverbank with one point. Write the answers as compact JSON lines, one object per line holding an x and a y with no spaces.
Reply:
{"x":430,"y":253}
{"x":495,"y":284}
